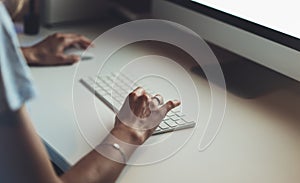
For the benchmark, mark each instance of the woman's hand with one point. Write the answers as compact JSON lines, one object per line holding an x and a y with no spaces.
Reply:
{"x":51,"y":50}
{"x":140,"y":115}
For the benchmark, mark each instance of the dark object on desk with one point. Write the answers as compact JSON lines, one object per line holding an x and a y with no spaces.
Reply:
{"x":243,"y":77}
{"x":31,"y":20}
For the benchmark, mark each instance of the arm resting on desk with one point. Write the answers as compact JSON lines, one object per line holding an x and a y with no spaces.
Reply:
{"x":24,"y":158}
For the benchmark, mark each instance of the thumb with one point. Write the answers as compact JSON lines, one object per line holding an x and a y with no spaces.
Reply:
{"x":69,"y":59}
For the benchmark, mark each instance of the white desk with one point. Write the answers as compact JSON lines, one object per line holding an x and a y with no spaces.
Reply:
{"x":258,"y":142}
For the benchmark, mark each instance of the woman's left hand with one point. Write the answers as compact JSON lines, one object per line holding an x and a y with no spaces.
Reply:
{"x":50,"y":51}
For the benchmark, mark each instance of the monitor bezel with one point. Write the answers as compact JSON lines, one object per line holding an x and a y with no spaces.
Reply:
{"x":260,"y":30}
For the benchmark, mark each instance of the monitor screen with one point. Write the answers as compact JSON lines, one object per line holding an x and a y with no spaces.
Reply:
{"x":280,"y":16}
{"x":274,"y":21}
{"x":266,"y":32}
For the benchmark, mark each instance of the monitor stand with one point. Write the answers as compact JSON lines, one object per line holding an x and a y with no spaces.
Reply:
{"x":243,"y":77}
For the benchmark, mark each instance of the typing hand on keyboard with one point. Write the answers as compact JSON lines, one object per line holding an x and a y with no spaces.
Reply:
{"x":141,"y":114}
{"x":114,"y":88}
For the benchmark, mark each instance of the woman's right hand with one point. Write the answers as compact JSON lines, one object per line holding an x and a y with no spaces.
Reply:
{"x":50,"y":51}
{"x":140,"y":115}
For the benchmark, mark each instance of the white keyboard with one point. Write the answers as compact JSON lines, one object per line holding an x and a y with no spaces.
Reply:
{"x":113,"y":90}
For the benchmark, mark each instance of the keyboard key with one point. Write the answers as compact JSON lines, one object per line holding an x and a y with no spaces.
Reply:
{"x":101,"y":92}
{"x":187,"y":120}
{"x":175,"y":118}
{"x":169,"y":115}
{"x":180,"y":122}
{"x":180,"y":115}
{"x":171,"y":123}
{"x":163,"y":125}
{"x":158,"y":129}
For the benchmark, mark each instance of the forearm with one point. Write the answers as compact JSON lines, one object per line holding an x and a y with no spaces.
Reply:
{"x":103,"y":164}
{"x":93,"y":168}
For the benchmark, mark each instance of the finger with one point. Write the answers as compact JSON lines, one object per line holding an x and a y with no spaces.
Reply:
{"x":147,"y":112}
{"x":133,"y":96}
{"x":68,"y":59}
{"x":141,"y":105}
{"x":156,"y":101}
{"x":83,"y":44}
{"x":75,"y":41}
{"x":139,"y":91}
{"x":83,"y":41}
{"x":169,"y":106}
{"x":72,"y":35}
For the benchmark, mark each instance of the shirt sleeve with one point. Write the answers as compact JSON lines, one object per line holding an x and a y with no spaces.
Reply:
{"x":16,"y":86}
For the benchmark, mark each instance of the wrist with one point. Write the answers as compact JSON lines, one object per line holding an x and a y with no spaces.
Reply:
{"x":128,"y":135}
{"x":125,"y":136}
{"x":30,"y":55}
{"x":118,"y":146}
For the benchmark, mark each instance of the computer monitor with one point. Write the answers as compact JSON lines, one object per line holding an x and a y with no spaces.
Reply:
{"x":265,"y":32}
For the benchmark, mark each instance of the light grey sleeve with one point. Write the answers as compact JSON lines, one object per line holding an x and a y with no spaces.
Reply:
{"x":16,"y":86}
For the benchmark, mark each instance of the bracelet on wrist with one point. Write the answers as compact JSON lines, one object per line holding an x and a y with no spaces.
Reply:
{"x":118,"y":148}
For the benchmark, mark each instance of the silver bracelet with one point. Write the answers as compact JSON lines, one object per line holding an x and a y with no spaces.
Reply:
{"x":117,"y":147}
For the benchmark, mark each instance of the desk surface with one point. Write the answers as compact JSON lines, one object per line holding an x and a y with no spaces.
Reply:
{"x":259,"y":140}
